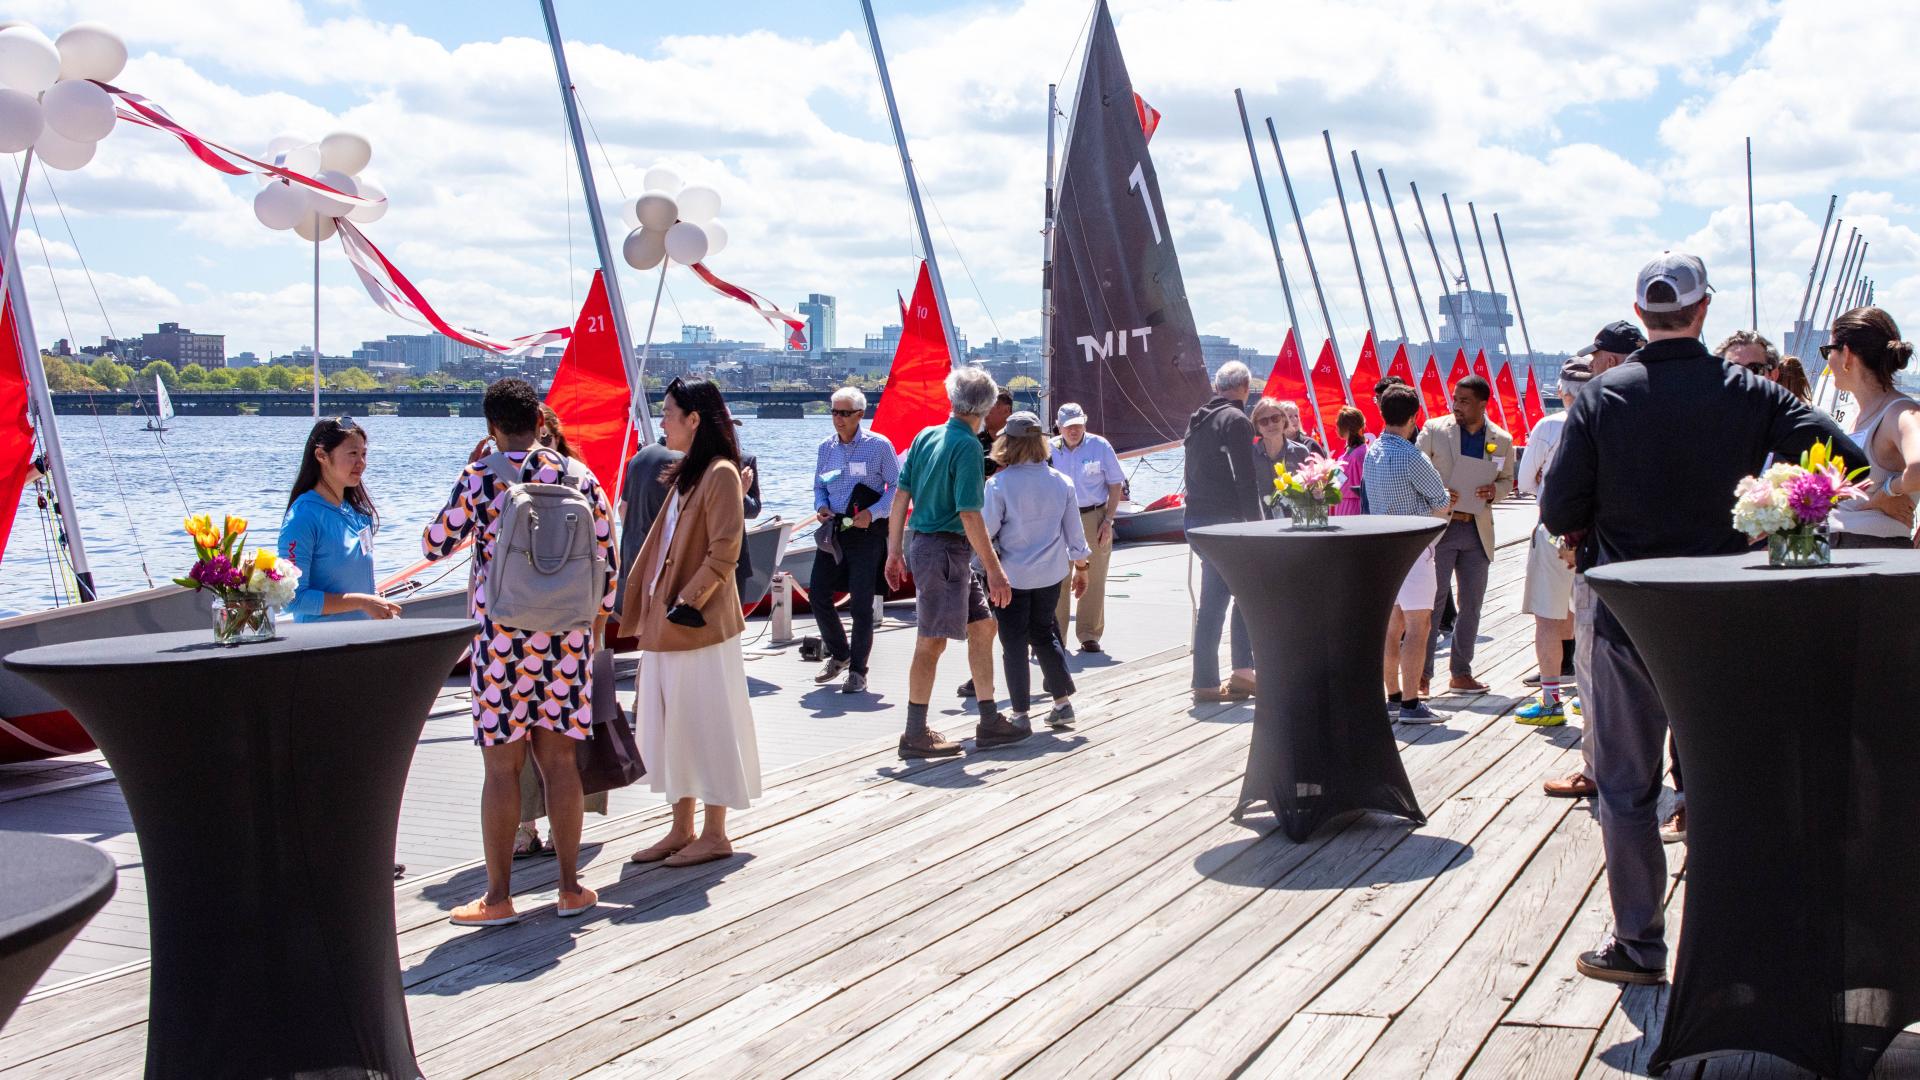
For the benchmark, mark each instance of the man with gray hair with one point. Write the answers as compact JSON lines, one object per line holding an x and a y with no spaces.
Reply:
{"x":943,"y":482}
{"x":1751,"y":353}
{"x":855,"y":473}
{"x":1222,"y":486}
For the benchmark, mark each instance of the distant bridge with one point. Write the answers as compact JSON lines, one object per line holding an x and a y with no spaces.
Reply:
{"x":769,"y":403}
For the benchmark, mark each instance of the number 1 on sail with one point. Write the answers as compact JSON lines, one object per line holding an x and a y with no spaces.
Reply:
{"x":1137,"y":181}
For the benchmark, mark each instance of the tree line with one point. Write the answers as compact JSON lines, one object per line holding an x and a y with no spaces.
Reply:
{"x":107,"y":373}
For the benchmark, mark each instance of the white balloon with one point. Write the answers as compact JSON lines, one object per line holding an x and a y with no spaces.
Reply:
{"x":662,"y":179}
{"x":686,"y":243}
{"x":644,"y":248}
{"x":279,"y":205}
{"x":657,"y":210}
{"x":340,"y":182}
{"x":79,"y":110}
{"x":56,"y":151}
{"x":28,"y":61}
{"x":89,"y":50}
{"x":628,"y":213}
{"x":367,"y":215}
{"x":303,"y":159}
{"x":716,"y":238}
{"x":699,"y":204}
{"x":315,"y":229}
{"x":20,"y":121}
{"x":343,"y":151}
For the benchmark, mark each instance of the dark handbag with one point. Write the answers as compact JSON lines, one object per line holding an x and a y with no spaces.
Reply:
{"x":611,"y":758}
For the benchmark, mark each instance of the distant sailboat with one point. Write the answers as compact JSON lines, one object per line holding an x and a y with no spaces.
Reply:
{"x":163,"y":407}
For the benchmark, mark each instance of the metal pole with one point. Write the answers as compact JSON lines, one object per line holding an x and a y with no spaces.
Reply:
{"x":1466,"y":279}
{"x":1313,"y":272}
{"x":36,"y":373}
{"x":1488,"y":267}
{"x":1845,"y":275}
{"x":1445,"y":294}
{"x":1753,"y":256}
{"x":610,"y":274}
{"x":1820,"y":290}
{"x":1046,"y":260}
{"x":1266,"y":209}
{"x":1379,"y":245}
{"x":913,"y":188}
{"x":1799,"y":321}
{"x":316,"y":326}
{"x":1340,"y":196}
{"x":1513,"y":287}
{"x":20,"y":197}
{"x":1418,"y":301}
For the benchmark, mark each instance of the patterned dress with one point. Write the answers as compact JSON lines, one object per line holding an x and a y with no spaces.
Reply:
{"x":521,"y":679}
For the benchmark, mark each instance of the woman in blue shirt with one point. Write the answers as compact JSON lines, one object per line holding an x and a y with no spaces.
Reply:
{"x":329,"y":527}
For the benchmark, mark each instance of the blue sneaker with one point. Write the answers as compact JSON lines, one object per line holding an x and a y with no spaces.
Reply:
{"x":1573,"y":706}
{"x":1541,"y":713}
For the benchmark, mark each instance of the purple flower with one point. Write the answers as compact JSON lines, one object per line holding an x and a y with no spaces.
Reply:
{"x":1810,"y":497}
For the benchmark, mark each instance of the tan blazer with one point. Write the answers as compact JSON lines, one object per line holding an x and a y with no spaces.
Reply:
{"x":699,"y":567}
{"x":1440,"y":441}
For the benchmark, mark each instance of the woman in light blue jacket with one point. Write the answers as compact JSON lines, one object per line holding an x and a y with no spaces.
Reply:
{"x":1033,"y":517}
{"x":329,"y":526}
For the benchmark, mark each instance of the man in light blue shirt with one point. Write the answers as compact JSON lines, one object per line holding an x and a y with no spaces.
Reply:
{"x":1090,"y":462}
{"x":855,"y":474}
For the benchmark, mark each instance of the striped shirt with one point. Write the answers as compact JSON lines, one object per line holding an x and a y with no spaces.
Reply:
{"x":839,"y":466}
{"x":1402,"y":480}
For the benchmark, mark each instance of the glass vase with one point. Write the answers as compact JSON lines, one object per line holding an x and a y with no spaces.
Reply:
{"x":241,"y":620}
{"x":1308,"y":513}
{"x":1799,"y":549}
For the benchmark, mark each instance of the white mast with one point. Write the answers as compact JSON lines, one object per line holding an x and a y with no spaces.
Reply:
{"x":1386,"y":268}
{"x":1753,"y":253}
{"x":1800,"y":321}
{"x":36,"y":373}
{"x":636,"y":378}
{"x":1313,"y":272}
{"x":1360,"y":275}
{"x":913,"y":188}
{"x":1266,"y":209}
{"x":1046,"y":259}
{"x":1419,"y":302}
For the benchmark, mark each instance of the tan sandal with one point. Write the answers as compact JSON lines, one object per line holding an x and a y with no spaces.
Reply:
{"x":657,"y":853}
{"x":677,"y":859}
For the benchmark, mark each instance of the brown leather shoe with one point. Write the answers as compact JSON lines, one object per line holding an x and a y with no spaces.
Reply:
{"x":1239,"y":689}
{"x":1000,"y":731}
{"x":1574,"y":785}
{"x":1467,"y":684}
{"x":1210,"y":695}
{"x":927,"y":744}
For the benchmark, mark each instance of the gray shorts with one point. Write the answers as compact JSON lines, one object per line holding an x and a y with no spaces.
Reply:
{"x":947,"y":595}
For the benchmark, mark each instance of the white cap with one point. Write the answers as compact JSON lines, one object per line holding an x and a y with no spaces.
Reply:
{"x":1686,"y":275}
{"x":1070,"y":415}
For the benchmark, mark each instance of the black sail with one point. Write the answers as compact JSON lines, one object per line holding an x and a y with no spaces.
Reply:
{"x":1123,"y":340}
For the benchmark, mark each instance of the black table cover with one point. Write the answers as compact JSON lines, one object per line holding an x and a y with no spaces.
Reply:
{"x":1317,"y":604}
{"x":264,"y":782}
{"x":49,"y":888}
{"x":1791,"y":698}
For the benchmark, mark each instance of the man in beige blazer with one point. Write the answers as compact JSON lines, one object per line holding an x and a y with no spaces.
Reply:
{"x":1465,"y":551}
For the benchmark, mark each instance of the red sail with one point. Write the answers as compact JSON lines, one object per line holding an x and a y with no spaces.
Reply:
{"x":1508,"y":397}
{"x":1329,"y":392}
{"x":1288,"y":380}
{"x":1534,"y":408}
{"x":1149,"y":116}
{"x":1493,"y":403}
{"x":916,"y":393}
{"x":1401,"y":368}
{"x":1458,"y":371}
{"x":1366,"y":375}
{"x":16,"y":434}
{"x":591,"y":395}
{"x":1433,"y":394}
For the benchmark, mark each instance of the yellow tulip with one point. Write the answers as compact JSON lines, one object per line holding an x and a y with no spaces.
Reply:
{"x":197,"y":524}
{"x":264,"y":559}
{"x":1817,"y":455}
{"x":236,"y":525}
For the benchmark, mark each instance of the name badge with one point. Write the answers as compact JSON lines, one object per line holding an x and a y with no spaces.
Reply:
{"x":1499,"y":463}
{"x":858,"y":468}
{"x":1091,"y":468}
{"x":366,"y":540}
{"x":830,"y":476}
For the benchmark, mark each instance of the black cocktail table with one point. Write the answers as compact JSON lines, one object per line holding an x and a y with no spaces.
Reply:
{"x":49,"y":888}
{"x":1317,"y":604}
{"x":1791,"y":698}
{"x":264,"y":782}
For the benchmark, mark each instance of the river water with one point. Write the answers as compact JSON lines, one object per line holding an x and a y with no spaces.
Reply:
{"x":132,"y":489}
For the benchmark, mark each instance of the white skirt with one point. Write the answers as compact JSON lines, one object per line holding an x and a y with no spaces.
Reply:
{"x":696,"y":726}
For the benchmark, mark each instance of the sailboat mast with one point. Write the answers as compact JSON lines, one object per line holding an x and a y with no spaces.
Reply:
{"x":1419,"y":302}
{"x":1820,"y":291}
{"x":1046,"y":258}
{"x":1481,"y":240}
{"x":1513,"y":287}
{"x":1445,"y":293}
{"x":1266,"y":209}
{"x":1800,"y":320}
{"x":36,"y":372}
{"x":1340,"y":196}
{"x":610,"y":275}
{"x":1857,"y":249}
{"x":1312,"y":271}
{"x":1379,"y":245}
{"x":316,"y":330}
{"x":913,"y":188}
{"x":1753,"y":255}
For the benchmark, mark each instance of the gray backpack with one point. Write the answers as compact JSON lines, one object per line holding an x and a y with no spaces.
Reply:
{"x":547,"y":575}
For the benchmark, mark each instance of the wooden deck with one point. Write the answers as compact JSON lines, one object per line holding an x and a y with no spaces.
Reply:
{"x":1080,"y":905}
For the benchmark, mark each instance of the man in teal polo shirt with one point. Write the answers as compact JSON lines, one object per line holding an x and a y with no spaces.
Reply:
{"x":943,"y":482}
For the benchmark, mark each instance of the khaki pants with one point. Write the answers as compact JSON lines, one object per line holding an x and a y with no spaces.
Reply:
{"x":1093,"y":606}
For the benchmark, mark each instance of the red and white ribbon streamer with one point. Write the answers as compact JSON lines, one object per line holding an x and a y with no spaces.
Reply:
{"x":793,"y":326}
{"x":397,"y":296}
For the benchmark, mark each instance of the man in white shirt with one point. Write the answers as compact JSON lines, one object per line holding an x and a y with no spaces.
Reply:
{"x":1548,"y":596}
{"x":1090,"y":462}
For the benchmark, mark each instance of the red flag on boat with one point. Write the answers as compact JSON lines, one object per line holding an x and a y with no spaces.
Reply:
{"x":16,"y":433}
{"x":1366,"y":375}
{"x":916,"y":393}
{"x":1508,"y":397}
{"x":1288,"y":380}
{"x":591,"y":394}
{"x":1149,"y":116}
{"x":1458,"y":371}
{"x":1329,"y":392}
{"x":1433,"y":393}
{"x":1532,"y":407}
{"x":1402,"y":369}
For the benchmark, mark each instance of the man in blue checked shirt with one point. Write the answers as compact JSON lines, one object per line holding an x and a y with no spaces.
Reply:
{"x":1401,"y":480}
{"x":847,"y":461}
{"x":1090,"y":462}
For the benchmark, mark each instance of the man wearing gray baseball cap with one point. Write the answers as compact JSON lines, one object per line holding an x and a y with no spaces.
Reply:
{"x":1646,"y":468}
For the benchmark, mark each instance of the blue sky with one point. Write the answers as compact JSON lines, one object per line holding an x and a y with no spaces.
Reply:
{"x":1597,"y":142}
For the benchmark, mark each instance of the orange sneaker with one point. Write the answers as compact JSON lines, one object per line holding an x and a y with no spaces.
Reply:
{"x":579,"y":903}
{"x":480,"y":913}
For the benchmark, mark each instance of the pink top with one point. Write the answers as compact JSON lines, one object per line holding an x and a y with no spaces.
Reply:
{"x":1354,"y":464}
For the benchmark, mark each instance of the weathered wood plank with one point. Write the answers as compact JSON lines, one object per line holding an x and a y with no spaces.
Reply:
{"x":1532,"y":1053}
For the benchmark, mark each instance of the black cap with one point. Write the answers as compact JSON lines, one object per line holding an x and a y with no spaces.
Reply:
{"x":1616,"y":337}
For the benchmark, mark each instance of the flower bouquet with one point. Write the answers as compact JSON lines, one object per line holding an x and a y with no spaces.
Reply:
{"x":247,"y":587}
{"x":1788,"y":506}
{"x":1310,"y":493}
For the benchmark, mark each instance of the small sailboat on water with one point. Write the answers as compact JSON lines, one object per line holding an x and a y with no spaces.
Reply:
{"x":163,"y":407}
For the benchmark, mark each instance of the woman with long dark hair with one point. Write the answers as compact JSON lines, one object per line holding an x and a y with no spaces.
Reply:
{"x":328,"y":528}
{"x":696,"y":725}
{"x":1865,"y":351}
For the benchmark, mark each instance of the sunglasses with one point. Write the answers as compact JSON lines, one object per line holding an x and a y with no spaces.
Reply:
{"x":848,"y":412}
{"x":1270,"y":420}
{"x":1826,"y":351}
{"x":1760,"y":368}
